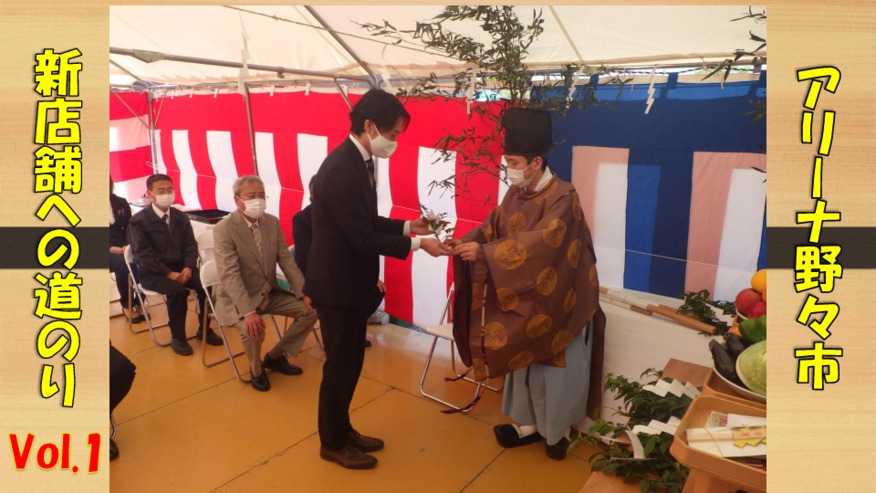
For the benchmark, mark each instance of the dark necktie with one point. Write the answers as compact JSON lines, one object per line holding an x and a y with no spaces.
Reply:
{"x":166,"y":220}
{"x":370,"y":164}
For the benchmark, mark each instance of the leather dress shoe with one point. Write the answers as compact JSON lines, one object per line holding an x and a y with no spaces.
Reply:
{"x":281,"y":365}
{"x":363,"y":443}
{"x":508,"y":437}
{"x":213,"y":338}
{"x":558,"y":450}
{"x":349,"y":457}
{"x":367,"y":343}
{"x":181,"y":348}
{"x":261,"y":382}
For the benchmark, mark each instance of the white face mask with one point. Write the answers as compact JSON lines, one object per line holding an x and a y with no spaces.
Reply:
{"x":517,"y":176}
{"x":255,"y":208}
{"x":381,"y":146}
{"x":164,"y":200}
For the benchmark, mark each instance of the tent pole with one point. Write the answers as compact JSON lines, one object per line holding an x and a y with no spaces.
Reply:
{"x":341,"y":42}
{"x":151,"y":128}
{"x":252,"y":144}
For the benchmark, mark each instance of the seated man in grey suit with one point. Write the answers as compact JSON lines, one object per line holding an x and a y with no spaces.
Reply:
{"x":248,"y":247}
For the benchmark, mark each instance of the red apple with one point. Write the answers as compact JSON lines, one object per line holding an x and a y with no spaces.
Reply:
{"x":756,"y":309}
{"x":745,"y":299}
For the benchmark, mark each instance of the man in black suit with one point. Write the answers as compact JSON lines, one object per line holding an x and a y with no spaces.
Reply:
{"x":343,"y":265}
{"x":167,"y":254}
{"x":302,"y":234}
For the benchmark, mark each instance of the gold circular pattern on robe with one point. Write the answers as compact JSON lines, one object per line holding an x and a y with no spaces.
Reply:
{"x":574,"y":252}
{"x":594,"y":277}
{"x":554,"y":233}
{"x":561,"y":341}
{"x":495,"y":336}
{"x":508,"y":299}
{"x":538,"y":326}
{"x":521,"y":360}
{"x":479,"y":367}
{"x":559,"y":360}
{"x":576,"y":207}
{"x":569,"y":302}
{"x":510,"y":254}
{"x":516,"y":223}
{"x":546,"y":282}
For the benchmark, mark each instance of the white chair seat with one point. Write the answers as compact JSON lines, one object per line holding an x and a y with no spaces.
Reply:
{"x":444,"y":331}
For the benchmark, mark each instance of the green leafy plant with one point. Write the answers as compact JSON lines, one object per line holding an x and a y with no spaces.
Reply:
{"x":659,"y":471}
{"x":496,"y":72}
{"x":698,"y":305}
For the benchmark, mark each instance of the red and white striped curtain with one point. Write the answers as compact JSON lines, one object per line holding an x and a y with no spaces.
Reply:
{"x":203,"y":143}
{"x":130,"y":151}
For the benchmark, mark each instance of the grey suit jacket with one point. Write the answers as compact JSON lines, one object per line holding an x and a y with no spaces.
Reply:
{"x":245,"y":278}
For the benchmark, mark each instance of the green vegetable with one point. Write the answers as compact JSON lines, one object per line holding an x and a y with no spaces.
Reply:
{"x":751,"y":367}
{"x":754,"y":329}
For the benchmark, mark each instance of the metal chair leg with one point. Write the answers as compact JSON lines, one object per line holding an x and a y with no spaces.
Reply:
{"x":435,"y":398}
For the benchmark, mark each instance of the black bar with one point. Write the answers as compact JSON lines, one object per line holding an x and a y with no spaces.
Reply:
{"x":858,"y":245}
{"x":18,"y":248}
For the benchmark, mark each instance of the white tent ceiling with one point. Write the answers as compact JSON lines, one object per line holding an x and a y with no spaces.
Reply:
{"x":291,"y":37}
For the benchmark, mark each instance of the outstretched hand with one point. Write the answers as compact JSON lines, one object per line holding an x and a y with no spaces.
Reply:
{"x":433,"y":247}
{"x":420,"y":227}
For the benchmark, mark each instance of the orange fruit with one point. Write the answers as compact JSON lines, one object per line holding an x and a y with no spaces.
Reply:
{"x":759,"y":281}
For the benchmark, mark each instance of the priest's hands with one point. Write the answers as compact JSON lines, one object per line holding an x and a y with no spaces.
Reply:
{"x":466,"y":251}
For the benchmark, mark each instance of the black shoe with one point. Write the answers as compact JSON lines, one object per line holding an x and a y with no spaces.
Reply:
{"x":281,"y":365}
{"x":367,"y":343}
{"x":363,"y":443}
{"x":114,"y":451}
{"x":349,"y":457}
{"x":261,"y":382}
{"x":508,"y":437}
{"x":181,"y":348}
{"x":213,"y":338}
{"x":558,"y":450}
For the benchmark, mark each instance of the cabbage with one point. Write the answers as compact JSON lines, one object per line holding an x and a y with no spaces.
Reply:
{"x":751,"y":367}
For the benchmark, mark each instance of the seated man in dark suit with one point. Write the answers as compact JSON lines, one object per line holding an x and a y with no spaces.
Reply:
{"x":167,"y":254}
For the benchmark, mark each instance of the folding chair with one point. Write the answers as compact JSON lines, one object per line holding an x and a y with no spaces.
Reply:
{"x":210,"y":278}
{"x":205,"y":247}
{"x":143,"y":295}
{"x":445,"y":331}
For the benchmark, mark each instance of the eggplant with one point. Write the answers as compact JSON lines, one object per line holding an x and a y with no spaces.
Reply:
{"x":724,"y":363}
{"x":735,"y":345}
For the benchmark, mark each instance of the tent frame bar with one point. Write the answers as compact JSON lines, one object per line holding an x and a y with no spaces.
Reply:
{"x":154,"y":56}
{"x":341,"y":42}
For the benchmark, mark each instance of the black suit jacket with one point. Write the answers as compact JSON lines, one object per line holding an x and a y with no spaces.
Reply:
{"x":158,"y":249}
{"x":122,"y":215}
{"x":302,"y":235}
{"x":348,"y":235}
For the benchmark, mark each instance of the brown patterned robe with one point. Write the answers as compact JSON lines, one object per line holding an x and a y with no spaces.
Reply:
{"x":532,"y":288}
